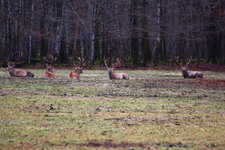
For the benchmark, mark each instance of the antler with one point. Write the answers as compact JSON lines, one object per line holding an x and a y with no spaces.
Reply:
{"x":79,"y":64}
{"x":105,"y":62}
{"x":116,"y":63}
{"x":10,"y":64}
{"x":189,"y":61}
{"x":49,"y":59}
{"x":177,"y":60}
{"x":186,"y":62}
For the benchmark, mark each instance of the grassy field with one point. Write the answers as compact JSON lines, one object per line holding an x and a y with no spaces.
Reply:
{"x":153,"y":110}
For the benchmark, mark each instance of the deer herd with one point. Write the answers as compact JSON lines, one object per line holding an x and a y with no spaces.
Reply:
{"x":78,"y":69}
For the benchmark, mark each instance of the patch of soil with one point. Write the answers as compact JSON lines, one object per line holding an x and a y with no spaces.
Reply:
{"x":140,"y":119}
{"x":126,"y":145}
{"x":188,"y":83}
{"x":213,"y":83}
{"x":112,"y":145}
{"x":205,"y":83}
{"x":10,"y":91}
{"x":179,"y":144}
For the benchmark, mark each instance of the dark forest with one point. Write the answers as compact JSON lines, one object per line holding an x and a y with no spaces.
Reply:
{"x":139,"y":32}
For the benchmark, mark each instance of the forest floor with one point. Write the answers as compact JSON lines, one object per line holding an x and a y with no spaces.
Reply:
{"x":156,"y":109}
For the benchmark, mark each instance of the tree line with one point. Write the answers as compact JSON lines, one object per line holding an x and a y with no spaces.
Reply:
{"x":136,"y":31}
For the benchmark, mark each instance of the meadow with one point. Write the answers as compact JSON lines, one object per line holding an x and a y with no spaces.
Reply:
{"x":156,"y":109}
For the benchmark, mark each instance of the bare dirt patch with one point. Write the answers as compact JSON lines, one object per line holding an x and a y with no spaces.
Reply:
{"x":141,"y":119}
{"x":113,"y":145}
{"x":200,"y":83}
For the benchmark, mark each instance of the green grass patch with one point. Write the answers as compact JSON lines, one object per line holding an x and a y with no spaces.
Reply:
{"x":155,"y":110}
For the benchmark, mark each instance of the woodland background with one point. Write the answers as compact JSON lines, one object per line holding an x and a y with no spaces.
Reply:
{"x":137,"y":31}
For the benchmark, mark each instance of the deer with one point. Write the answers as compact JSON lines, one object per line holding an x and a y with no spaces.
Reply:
{"x":48,"y":60}
{"x":13,"y":72}
{"x":185,"y":71}
{"x":112,"y":74}
{"x":78,"y":69}
{"x":49,"y":73}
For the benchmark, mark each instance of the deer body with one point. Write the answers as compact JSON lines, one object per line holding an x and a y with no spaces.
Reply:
{"x":191,"y":74}
{"x":74,"y":75}
{"x":18,"y":72}
{"x":120,"y":76}
{"x":49,"y":73}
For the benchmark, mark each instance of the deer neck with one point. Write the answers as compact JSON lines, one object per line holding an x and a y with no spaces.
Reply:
{"x":77,"y":74}
{"x":185,"y":73}
{"x":111,"y":74}
{"x":11,"y":71}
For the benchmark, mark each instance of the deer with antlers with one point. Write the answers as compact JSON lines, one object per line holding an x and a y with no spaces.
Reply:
{"x":184,"y":68}
{"x":49,"y":60}
{"x":78,"y":69}
{"x":113,"y":75}
{"x":13,"y":72}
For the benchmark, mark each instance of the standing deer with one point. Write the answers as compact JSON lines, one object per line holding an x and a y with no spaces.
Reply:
{"x":49,"y":60}
{"x":113,"y":75}
{"x":78,"y":69}
{"x":18,"y":72}
{"x":185,"y":72}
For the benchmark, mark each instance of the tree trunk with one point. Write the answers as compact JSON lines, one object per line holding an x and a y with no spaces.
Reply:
{"x":30,"y":36}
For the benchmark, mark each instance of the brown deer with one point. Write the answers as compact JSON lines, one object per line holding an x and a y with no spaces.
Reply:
{"x":49,"y":73}
{"x":18,"y":72}
{"x":113,"y":75}
{"x":48,"y":61}
{"x":78,"y":69}
{"x":184,"y":68}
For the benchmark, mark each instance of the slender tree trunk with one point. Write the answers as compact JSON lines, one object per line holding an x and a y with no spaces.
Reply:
{"x":30,"y":36}
{"x":147,"y":54}
{"x":59,"y":27}
{"x":134,"y":33}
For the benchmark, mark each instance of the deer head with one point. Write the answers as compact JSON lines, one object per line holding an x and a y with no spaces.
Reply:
{"x":78,"y":68}
{"x":113,"y":66}
{"x":48,"y":61}
{"x":49,"y":68}
{"x":10,"y":66}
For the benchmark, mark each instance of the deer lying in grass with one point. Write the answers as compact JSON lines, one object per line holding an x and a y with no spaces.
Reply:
{"x":113,"y":75}
{"x":18,"y":72}
{"x":49,"y":73}
{"x":78,"y":69}
{"x":48,"y":61}
{"x":185,"y":72}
